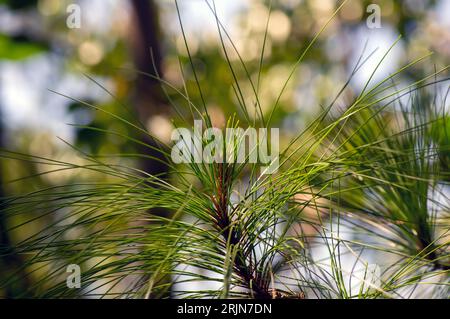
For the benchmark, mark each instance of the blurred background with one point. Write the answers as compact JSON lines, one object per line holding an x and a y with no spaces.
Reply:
{"x":45,"y":48}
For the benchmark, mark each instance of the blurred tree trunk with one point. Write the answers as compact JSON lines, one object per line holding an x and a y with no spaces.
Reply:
{"x":148,"y":96}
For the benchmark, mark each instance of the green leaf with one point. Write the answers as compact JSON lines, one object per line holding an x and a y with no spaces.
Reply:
{"x":13,"y":49}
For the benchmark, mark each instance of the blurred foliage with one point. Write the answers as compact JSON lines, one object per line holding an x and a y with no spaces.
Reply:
{"x":18,"y":48}
{"x":19,"y":4}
